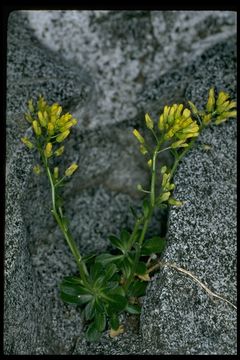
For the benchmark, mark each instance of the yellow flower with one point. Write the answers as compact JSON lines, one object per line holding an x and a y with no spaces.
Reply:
{"x":30,"y":106}
{"x":28,"y":117}
{"x":62,"y":136}
{"x":179,"y":143}
{"x":150,"y":163}
{"x":175,"y":202}
{"x":211,"y":101}
{"x":225,"y":116}
{"x":222,"y":97}
{"x":50,"y":129}
{"x":193,"y":108}
{"x":27,"y":142}
{"x":207,"y":118}
{"x":42,"y":119}
{"x":59,"y":151}
{"x":68,"y":125}
{"x":37,"y":169}
{"x":163,"y":169}
{"x":36,"y":128}
{"x":56,"y":172}
{"x":63,"y":119}
{"x":42,"y":105}
{"x":164,"y":196}
{"x":149,"y":122}
{"x":138,"y":136}
{"x":48,"y":150}
{"x":143,"y":149}
{"x":71,"y":169}
{"x":161,"y":122}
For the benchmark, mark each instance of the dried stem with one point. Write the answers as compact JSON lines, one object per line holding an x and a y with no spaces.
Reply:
{"x":188,"y":273}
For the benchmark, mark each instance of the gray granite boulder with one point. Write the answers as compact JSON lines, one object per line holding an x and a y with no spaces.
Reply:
{"x":93,"y":68}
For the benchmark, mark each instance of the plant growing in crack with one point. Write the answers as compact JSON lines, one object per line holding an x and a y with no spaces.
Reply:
{"x":109,"y":284}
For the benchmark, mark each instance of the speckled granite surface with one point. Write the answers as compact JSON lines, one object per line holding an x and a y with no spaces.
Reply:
{"x":177,"y":317}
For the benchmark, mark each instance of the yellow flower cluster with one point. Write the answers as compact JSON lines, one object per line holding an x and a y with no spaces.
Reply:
{"x":47,"y":120}
{"x":49,"y":126}
{"x":166,"y":189}
{"x":221,"y":107}
{"x":177,"y":125}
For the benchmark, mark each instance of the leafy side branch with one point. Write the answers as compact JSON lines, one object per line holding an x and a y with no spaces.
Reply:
{"x":109,"y":284}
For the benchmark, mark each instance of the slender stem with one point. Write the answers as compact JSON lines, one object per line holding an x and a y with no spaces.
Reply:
{"x":167,"y":148}
{"x":60,"y":221}
{"x":153,"y":181}
{"x":178,"y":158}
{"x":146,"y":219}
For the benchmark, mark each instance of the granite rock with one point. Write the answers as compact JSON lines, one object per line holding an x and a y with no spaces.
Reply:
{"x":87,"y":74}
{"x":201,"y":234}
{"x":127,"y":50}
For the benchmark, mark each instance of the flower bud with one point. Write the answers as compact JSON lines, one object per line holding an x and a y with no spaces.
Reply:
{"x":211,"y":101}
{"x":138,"y":136}
{"x":193,"y":108}
{"x":62,"y":136}
{"x":164,"y":197}
{"x":161,"y":123}
{"x":42,"y":119}
{"x":50,"y":129}
{"x":55,"y":173}
{"x":36,"y":128}
{"x":175,"y":202}
{"x":150,"y":163}
{"x":68,"y":125}
{"x":179,"y":143}
{"x":30,"y":106}
{"x":48,"y":150}
{"x":163,"y":169}
{"x":37,"y":169}
{"x":59,"y":151}
{"x":222,"y":97}
{"x":71,"y":169}
{"x":149,"y":122}
{"x":27,"y":142}
{"x":143,"y":149}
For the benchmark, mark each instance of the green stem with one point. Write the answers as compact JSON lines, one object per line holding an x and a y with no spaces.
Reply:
{"x":146,"y":220}
{"x":59,"y":219}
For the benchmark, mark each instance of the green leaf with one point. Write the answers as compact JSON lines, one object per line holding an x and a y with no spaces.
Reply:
{"x":96,"y":270}
{"x":116,"y":242}
{"x":92,"y":333}
{"x":72,"y":279}
{"x":74,"y":293}
{"x":116,"y":300}
{"x":110,"y":270}
{"x":133,"y":309}
{"x":141,"y":268}
{"x":145,"y":207}
{"x":73,"y":299}
{"x":153,"y":245}
{"x":114,"y":321}
{"x":126,"y":266}
{"x":108,"y":258}
{"x":125,"y":238}
{"x":137,"y":288}
{"x":134,"y":212}
{"x":100,"y":321}
{"x":89,"y":310}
